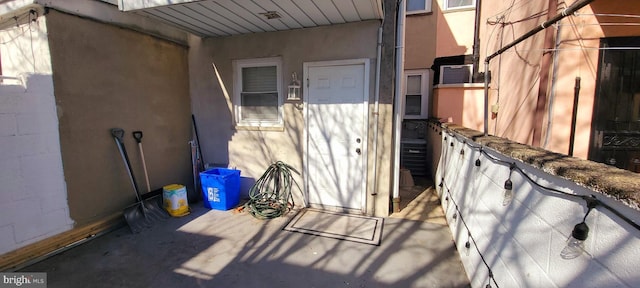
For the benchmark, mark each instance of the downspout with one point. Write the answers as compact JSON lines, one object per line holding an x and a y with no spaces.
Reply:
{"x":398,"y":103}
{"x":486,"y":96}
{"x":376,"y":117}
{"x":566,"y":12}
{"x":476,"y":41}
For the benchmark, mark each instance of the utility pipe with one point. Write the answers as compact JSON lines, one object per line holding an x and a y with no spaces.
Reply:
{"x":554,"y":83}
{"x":566,"y":12}
{"x":574,"y":115}
{"x":398,"y":102}
{"x":376,"y":117}
{"x":476,"y":40}
{"x":486,"y":97}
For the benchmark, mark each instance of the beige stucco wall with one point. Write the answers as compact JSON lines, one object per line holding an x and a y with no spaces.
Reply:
{"x":253,"y":151}
{"x":105,"y":77}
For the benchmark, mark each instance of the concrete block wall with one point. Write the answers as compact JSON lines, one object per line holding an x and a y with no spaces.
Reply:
{"x":32,"y":187}
{"x":34,"y":200}
{"x":521,"y":242}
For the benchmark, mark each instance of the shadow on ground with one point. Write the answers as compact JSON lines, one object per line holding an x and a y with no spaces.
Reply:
{"x":210,"y":248}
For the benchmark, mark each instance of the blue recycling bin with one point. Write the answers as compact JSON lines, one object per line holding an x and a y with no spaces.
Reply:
{"x":220,"y":188}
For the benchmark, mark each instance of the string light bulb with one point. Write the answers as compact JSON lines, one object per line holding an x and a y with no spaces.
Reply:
{"x":467,"y":245}
{"x":478,"y":160}
{"x":507,"y":195}
{"x":575,"y":244}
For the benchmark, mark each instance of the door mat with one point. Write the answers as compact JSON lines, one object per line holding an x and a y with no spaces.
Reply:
{"x":350,"y":227}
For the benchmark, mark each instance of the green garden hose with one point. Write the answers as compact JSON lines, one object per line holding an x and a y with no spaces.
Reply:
{"x":271,"y":197}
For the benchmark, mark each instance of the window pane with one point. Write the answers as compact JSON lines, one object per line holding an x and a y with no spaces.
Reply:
{"x":259,"y":79}
{"x":456,"y":74}
{"x":459,"y":3}
{"x":415,"y":5}
{"x":413,"y":84}
{"x":259,"y":106}
{"x":413,"y":104}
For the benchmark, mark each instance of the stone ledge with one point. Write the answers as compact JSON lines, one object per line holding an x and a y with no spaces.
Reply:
{"x":617,"y":183}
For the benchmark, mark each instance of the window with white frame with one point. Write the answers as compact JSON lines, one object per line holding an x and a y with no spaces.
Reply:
{"x":418,"y":6}
{"x":416,"y":94}
{"x":257,"y":92}
{"x":458,"y":4}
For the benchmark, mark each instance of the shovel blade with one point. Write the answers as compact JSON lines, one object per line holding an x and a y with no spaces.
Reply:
{"x":143,"y":214}
{"x":154,"y":210}
{"x":136,"y":218}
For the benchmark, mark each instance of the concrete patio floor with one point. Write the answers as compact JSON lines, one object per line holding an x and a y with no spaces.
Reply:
{"x":211,"y":248}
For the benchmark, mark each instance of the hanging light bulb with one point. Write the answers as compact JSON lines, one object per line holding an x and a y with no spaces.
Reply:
{"x":478,"y":162}
{"x":468,"y":244}
{"x":575,"y":244}
{"x":507,"y":195}
{"x":508,"y":192}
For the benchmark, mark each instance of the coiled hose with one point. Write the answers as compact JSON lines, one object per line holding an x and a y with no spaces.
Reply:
{"x":271,"y":197}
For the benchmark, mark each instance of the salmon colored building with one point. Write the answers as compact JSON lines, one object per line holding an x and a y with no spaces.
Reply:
{"x":570,"y":88}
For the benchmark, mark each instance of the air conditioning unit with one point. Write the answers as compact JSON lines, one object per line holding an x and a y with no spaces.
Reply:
{"x":456,"y":74}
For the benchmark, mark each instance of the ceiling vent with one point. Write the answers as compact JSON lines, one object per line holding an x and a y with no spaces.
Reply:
{"x":270,"y":15}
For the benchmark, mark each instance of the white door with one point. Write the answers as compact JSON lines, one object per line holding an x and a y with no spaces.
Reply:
{"x":336,"y":98}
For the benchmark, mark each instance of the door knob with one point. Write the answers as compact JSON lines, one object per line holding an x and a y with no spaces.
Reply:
{"x":358,"y":151}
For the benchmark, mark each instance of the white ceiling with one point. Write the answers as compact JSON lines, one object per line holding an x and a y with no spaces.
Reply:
{"x":215,"y":18}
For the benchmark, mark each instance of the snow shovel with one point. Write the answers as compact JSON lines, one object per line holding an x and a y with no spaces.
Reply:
{"x":142,"y":213}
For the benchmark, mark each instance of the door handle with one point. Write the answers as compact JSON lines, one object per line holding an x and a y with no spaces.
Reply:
{"x":358,"y":151}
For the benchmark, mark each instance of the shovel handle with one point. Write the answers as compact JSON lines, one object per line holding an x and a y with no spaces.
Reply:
{"x":117,"y":133}
{"x":138,"y":136}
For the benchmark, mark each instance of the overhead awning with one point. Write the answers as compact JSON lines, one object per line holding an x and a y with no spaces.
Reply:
{"x":215,"y":18}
